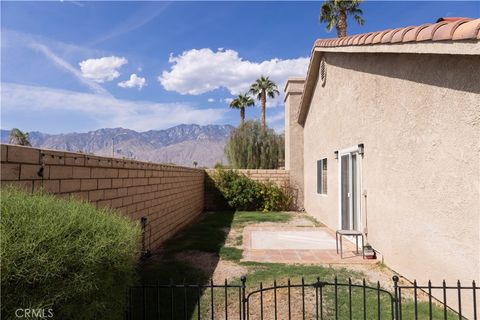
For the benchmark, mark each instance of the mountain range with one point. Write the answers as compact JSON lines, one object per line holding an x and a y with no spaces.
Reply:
{"x":181,"y":145}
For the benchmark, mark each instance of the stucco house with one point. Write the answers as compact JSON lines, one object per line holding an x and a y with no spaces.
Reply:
{"x":383,"y":137}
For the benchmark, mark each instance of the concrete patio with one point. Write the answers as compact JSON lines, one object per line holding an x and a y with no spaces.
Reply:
{"x":290,"y":244}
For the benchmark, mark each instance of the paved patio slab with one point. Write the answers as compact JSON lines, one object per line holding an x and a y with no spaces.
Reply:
{"x":296,"y":240}
{"x":286,"y":244}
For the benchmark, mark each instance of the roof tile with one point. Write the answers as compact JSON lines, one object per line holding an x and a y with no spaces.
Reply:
{"x":387,"y":38}
{"x":450,"y":28}
{"x":378,"y":38}
{"x":467,"y":30}
{"x":412,"y":34}
{"x":369,"y":39}
{"x":446,"y":31}
{"x":428,"y":32}
{"x":400,"y":34}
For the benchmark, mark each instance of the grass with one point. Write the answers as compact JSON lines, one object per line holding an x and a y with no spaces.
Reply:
{"x":210,"y":234}
{"x":231,"y":253}
{"x":242,"y":218}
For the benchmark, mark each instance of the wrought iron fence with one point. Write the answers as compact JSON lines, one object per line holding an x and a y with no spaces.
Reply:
{"x":303,"y":300}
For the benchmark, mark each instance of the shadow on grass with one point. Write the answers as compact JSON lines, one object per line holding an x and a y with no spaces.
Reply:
{"x":189,"y":258}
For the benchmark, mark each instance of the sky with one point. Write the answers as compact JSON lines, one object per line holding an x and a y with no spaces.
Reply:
{"x":74,"y":66}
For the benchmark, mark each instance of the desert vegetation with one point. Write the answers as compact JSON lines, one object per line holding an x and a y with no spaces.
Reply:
{"x":243,"y":193}
{"x":64,"y":255}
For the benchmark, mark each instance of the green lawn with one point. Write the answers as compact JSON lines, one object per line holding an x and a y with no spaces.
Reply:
{"x":209,"y":236}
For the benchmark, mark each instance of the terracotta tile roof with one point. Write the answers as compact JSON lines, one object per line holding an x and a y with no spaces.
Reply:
{"x":444,"y":29}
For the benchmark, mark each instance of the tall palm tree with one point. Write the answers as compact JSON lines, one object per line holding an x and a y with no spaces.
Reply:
{"x":241,"y":102}
{"x":262,"y":88}
{"x":335,"y":12}
{"x":19,"y":137}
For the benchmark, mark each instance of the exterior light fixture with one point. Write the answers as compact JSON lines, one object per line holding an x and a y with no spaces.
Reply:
{"x":361,"y":149}
{"x":336,"y":155}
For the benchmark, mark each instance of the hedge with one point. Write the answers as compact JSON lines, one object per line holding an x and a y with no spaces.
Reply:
{"x":64,"y":255}
{"x":243,"y":193}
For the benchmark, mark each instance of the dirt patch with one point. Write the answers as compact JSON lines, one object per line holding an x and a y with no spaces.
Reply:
{"x":210,"y":264}
{"x":234,"y":238}
{"x":373,"y":273}
{"x":204,"y":261}
{"x":228,"y":270}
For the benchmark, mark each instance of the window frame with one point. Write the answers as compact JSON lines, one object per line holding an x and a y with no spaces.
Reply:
{"x":322,"y":176}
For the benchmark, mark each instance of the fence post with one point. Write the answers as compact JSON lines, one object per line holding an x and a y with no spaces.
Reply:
{"x":244,"y":298}
{"x":395,"y":286}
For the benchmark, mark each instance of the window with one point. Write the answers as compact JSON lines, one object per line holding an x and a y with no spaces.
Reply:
{"x":322,"y":176}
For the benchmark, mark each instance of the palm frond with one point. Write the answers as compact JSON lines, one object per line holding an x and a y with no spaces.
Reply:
{"x":359,"y":20}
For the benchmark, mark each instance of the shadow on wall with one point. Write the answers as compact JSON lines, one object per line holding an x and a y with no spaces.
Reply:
{"x":191,"y":257}
{"x":446,"y":71}
{"x":214,"y":199}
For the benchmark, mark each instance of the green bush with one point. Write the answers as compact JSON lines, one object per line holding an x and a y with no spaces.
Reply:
{"x":252,"y":147}
{"x":243,"y":193}
{"x":64,"y":255}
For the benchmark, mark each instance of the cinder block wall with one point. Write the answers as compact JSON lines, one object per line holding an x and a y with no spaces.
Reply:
{"x":279,"y":177}
{"x":169,"y":196}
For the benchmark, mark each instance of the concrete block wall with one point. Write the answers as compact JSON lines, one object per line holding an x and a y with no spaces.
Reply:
{"x":169,"y":196}
{"x":279,"y":177}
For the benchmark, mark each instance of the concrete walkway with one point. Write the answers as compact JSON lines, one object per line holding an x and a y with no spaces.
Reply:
{"x":289,"y":244}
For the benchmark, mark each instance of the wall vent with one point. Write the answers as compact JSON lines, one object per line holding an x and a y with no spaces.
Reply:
{"x":323,"y":72}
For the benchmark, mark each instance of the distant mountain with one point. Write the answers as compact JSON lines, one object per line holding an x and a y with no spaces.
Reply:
{"x":180,"y":145}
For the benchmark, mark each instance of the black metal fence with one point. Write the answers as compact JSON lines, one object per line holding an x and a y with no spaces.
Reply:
{"x":303,"y":300}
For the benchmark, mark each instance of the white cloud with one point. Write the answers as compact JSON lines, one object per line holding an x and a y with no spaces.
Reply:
{"x":133,"y":82}
{"x":15,"y":39}
{"x":103,"y":110}
{"x":102,"y":69}
{"x":198,"y":71}
{"x":211,"y":100}
{"x":68,"y":67}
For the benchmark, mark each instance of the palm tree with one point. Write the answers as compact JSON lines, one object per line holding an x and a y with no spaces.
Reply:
{"x":19,"y":137}
{"x":262,"y":88}
{"x":335,"y":12}
{"x":241,"y":102}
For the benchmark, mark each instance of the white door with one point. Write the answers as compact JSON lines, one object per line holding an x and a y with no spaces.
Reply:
{"x":349,"y":177}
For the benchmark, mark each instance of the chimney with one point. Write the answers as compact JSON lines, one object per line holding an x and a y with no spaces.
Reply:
{"x":294,"y":138}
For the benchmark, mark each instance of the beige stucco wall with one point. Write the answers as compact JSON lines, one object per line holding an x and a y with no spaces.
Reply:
{"x":419,"y":118}
{"x":294,"y":139}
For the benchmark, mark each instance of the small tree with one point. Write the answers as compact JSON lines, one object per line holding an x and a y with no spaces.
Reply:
{"x":19,"y":137}
{"x":195,"y":163}
{"x":252,"y":147}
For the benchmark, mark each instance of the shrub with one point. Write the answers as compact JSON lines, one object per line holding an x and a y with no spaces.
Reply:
{"x":243,"y":193}
{"x":252,"y":147}
{"x":65,"y":255}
